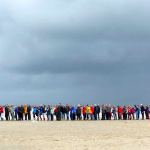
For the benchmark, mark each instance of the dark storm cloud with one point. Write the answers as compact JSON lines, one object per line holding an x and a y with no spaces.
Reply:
{"x":76,"y":51}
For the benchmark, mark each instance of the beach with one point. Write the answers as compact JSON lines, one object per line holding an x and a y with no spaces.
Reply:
{"x":78,"y":135}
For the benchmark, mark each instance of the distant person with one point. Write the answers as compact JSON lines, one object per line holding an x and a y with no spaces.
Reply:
{"x":67,"y":110}
{"x":20,"y":113}
{"x":12,"y":112}
{"x":147,"y":112}
{"x":34,"y":112}
{"x":96,"y":112}
{"x":58,"y":113}
{"x":114,"y":112}
{"x":133,"y":112}
{"x":92,"y":112}
{"x":52,"y":109}
{"x":48,"y":113}
{"x":138,"y":110}
{"x":103,"y":112}
{"x":1,"y":112}
{"x":25,"y":108}
{"x":73,"y":113}
{"x":108,"y":112}
{"x":125,"y":113}
{"x":88,"y":112}
{"x":7,"y":113}
{"x":143,"y":111}
{"x":84,"y":112}
{"x":16,"y":113}
{"x":78,"y":112}
{"x":120,"y":112}
{"x":29,"y":112}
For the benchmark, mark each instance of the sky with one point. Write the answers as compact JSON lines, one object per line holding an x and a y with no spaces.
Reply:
{"x":74,"y":51}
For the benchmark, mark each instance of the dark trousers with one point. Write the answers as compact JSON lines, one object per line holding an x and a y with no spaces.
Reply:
{"x":103,"y":116}
{"x":78,"y":116}
{"x":29,"y":116}
{"x":142,"y":115}
{"x":95,"y":116}
{"x":7,"y":116}
{"x":84,"y":116}
{"x":52,"y":117}
{"x":26,"y":116}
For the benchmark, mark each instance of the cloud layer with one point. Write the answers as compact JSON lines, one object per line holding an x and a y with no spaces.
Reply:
{"x":74,"y":51}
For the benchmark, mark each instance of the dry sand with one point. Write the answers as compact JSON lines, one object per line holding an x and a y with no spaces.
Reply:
{"x":108,"y":135}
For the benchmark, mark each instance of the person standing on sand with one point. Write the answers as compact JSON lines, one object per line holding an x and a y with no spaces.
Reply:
{"x":58,"y":112}
{"x":78,"y":112}
{"x":48,"y":113}
{"x":1,"y":112}
{"x":88,"y":111}
{"x":20,"y":112}
{"x":63,"y":112}
{"x":147,"y":111}
{"x":137,"y":109}
{"x":114,"y":112}
{"x":7,"y":113}
{"x":41,"y":114}
{"x":73,"y":113}
{"x":143,"y":111}
{"x":125,"y":112}
{"x":95,"y":112}
{"x":34,"y":112}
{"x":120,"y":112}
{"x":29,"y":112}
{"x":16,"y":113}
{"x":25,"y":111}
{"x":92,"y":112}
{"x":129,"y":112}
{"x":12,"y":112}
{"x":108,"y":112}
{"x":103,"y":112}
{"x":67,"y":111}
{"x":38,"y":115}
{"x":98,"y":111}
{"x":133,"y":112}
{"x":84,"y":112}
{"x":52,"y":108}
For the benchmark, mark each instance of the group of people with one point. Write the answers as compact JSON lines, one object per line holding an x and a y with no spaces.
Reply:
{"x":79,"y":112}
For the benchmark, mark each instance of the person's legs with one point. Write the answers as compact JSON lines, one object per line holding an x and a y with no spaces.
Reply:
{"x":29,"y":116}
{"x":103,"y":116}
{"x":52,"y":117}
{"x":1,"y":116}
{"x":142,"y":115}
{"x":25,"y":116}
{"x":12,"y":116}
{"x":16,"y":116}
{"x":84,"y":116}
{"x":95,"y":116}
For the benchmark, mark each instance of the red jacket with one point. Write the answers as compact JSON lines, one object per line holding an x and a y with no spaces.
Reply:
{"x":120,"y":110}
{"x":92,"y":110}
{"x":1,"y":109}
{"x":84,"y":110}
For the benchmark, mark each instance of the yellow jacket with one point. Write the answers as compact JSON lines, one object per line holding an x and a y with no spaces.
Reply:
{"x":25,"y":109}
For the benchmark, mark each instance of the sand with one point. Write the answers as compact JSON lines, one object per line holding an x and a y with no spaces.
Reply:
{"x":78,"y":135}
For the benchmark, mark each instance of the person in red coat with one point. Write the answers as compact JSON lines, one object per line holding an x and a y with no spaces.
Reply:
{"x":92,"y":112}
{"x":1,"y":111}
{"x":120,"y":112}
{"x":84,"y":112}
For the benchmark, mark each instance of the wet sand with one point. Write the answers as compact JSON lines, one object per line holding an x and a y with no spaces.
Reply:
{"x":78,"y":135}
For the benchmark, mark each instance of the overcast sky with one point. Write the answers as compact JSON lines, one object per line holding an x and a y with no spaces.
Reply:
{"x":74,"y":51}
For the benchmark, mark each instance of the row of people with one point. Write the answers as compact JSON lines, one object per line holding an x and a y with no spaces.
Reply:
{"x":80,"y":112}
